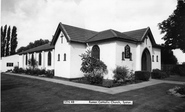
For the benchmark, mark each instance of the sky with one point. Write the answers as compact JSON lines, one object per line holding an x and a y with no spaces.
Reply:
{"x":38,"y":19}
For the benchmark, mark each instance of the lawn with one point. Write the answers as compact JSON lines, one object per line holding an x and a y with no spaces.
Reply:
{"x":19,"y":94}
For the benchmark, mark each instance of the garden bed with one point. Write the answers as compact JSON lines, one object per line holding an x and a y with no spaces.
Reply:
{"x":114,"y":83}
{"x":178,"y":91}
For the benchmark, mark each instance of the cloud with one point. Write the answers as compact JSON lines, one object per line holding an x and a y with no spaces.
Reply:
{"x":37,"y":19}
{"x":8,"y":5}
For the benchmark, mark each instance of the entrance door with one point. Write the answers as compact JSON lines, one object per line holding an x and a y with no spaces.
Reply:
{"x":146,"y":61}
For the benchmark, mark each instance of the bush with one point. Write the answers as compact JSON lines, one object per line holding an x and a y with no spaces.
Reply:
{"x":29,"y":71}
{"x":120,"y":73}
{"x":89,"y":64}
{"x":93,"y":79}
{"x":10,"y":70}
{"x":50,"y":73}
{"x":36,"y":71}
{"x":94,"y":68}
{"x":158,"y":74}
{"x":179,"y":70}
{"x":142,"y":75}
{"x":21,"y":70}
{"x":181,"y":90}
{"x":42,"y":71}
{"x":107,"y":83}
{"x":16,"y":69}
{"x":32,"y":63}
{"x":131,"y":76}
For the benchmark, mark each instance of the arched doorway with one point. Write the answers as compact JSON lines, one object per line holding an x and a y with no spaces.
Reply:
{"x":146,"y":61}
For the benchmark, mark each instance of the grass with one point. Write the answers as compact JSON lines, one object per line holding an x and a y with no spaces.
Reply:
{"x":20,"y":94}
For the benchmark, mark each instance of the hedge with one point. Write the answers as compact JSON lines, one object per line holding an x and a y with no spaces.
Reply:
{"x":158,"y":74}
{"x":142,"y":75}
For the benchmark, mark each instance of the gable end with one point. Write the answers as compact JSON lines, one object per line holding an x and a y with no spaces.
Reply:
{"x":57,"y":33}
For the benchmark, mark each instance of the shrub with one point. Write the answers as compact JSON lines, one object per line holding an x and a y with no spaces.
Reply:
{"x":93,"y":79}
{"x":21,"y":70}
{"x":181,"y":90}
{"x":42,"y":71}
{"x":179,"y":70}
{"x":16,"y":69}
{"x":158,"y":74}
{"x":131,"y":76}
{"x":10,"y":70}
{"x":142,"y":75}
{"x":120,"y":73}
{"x":89,"y":64}
{"x":36,"y":71}
{"x":94,"y":68}
{"x":32,"y":63}
{"x":50,"y":73}
{"x":107,"y":83}
{"x":29,"y":71}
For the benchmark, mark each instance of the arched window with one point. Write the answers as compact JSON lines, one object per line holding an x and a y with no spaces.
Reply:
{"x":26,"y":59}
{"x":32,"y":57}
{"x":96,"y":52}
{"x":49,"y":58}
{"x":40,"y":58}
{"x":127,"y":51}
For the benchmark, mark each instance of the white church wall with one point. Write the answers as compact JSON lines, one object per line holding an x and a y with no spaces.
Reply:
{"x":9,"y":62}
{"x":46,"y":66}
{"x":75,"y":63}
{"x":108,"y":56}
{"x":156,"y":62}
{"x":62,"y":67}
{"x":21,"y":61}
{"x":44,"y":60}
{"x":129,"y":63}
{"x":146,"y":44}
{"x":138,"y":57}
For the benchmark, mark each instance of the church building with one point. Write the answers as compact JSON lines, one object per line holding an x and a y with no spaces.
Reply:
{"x":136,"y":50}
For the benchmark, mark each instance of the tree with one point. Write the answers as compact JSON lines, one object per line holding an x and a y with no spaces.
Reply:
{"x":174,"y":28}
{"x":21,"y":49}
{"x":3,"y":42}
{"x":13,"y":41}
{"x":93,"y":68}
{"x":32,"y":62}
{"x":91,"y":65}
{"x":36,"y":43}
{"x":167,"y":56}
{"x":8,"y":42}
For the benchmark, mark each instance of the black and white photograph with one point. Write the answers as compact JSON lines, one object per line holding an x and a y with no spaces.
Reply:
{"x":92,"y":56}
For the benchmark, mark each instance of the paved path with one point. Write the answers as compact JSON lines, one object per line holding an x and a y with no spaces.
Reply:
{"x":114,"y":90}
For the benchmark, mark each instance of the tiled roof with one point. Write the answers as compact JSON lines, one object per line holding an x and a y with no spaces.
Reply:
{"x":108,"y":34}
{"x":39,"y":48}
{"x":75,"y":34}
{"x":136,"y":34}
{"x":78,"y":34}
